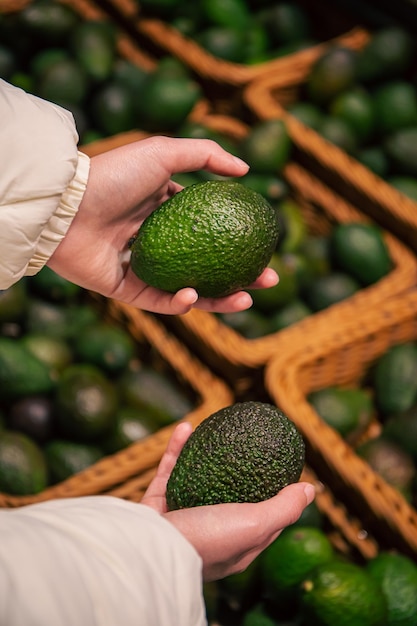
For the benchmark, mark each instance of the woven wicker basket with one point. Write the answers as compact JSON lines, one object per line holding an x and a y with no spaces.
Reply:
{"x":169,"y":355}
{"x":267,"y":98}
{"x":343,"y":358}
{"x":236,"y":358}
{"x":164,"y":39}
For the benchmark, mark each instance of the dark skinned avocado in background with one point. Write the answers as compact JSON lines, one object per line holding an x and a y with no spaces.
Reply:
{"x":215,"y":236}
{"x":246,"y":452}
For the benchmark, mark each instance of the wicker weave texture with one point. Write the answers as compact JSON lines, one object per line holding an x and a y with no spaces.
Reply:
{"x":343,"y":358}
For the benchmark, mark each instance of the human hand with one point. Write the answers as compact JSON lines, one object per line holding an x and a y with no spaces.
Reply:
{"x":125,"y":185}
{"x":228,"y":537}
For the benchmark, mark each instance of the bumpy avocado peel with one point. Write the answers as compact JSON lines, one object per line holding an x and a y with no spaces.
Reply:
{"x":246,"y":452}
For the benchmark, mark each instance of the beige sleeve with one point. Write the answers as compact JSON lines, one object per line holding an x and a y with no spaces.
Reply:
{"x":96,"y":561}
{"x":42,"y":181}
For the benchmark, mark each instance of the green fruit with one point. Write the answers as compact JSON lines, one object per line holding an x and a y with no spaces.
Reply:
{"x":307,"y":113}
{"x":166,"y":101}
{"x":288,"y":560}
{"x":257,"y":617}
{"x":63,"y":82}
{"x":395,"y":106}
{"x":22,"y":465}
{"x":289,"y":314}
{"x":66,"y":458}
{"x":224,"y":43}
{"x":397,"y":576}
{"x":342,"y":593}
{"x":50,"y":22}
{"x":113,"y":108}
{"x":271,"y":186}
{"x":266,"y":147}
{"x":228,"y":13}
{"x":107,"y":346}
{"x":13,"y":302}
{"x":86,"y":402}
{"x":395,"y":378}
{"x":295,"y":225}
{"x":332,"y":73}
{"x":93,"y":43}
{"x":286,"y":23}
{"x":8,"y":62}
{"x":215,"y":236}
{"x":154,"y":394}
{"x":330,"y":289}
{"x":406,"y":184}
{"x":402,"y":428}
{"x":361,"y":251}
{"x":21,"y":373}
{"x":130,"y":425}
{"x":33,"y":416}
{"x":401,"y":150}
{"x":339,"y":132}
{"x":245,"y":452}
{"x":390,"y":461}
{"x":375,"y":159}
{"x":346,"y":410}
{"x":388,"y":54}
{"x":51,"y":286}
{"x":281,"y":294}
{"x":55,"y":352}
{"x":249,"y":323}
{"x":355,"y":106}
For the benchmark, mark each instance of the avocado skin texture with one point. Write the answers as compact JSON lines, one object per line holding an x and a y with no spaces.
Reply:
{"x":245,"y":452}
{"x":214,"y":236}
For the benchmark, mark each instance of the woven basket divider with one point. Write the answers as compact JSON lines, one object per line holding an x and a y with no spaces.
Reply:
{"x":267,"y":98}
{"x":343,"y":358}
{"x":170,"y":40}
{"x":236,"y":357}
{"x":145,"y":454}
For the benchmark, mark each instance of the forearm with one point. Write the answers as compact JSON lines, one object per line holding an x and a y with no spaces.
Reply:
{"x":42,"y":179}
{"x":97,"y":561}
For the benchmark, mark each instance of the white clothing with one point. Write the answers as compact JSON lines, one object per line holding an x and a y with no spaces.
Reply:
{"x":96,"y":561}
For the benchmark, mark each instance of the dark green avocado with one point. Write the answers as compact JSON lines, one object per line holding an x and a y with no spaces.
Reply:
{"x":245,"y":452}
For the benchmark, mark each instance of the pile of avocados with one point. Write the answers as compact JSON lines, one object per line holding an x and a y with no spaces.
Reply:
{"x":74,"y":384}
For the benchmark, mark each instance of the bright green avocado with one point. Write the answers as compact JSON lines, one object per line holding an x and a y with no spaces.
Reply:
{"x":246,"y":452}
{"x":214,"y":236}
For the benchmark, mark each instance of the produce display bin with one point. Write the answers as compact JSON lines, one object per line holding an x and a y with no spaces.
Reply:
{"x":126,"y":47}
{"x":343,"y":358}
{"x":166,"y":353}
{"x":91,"y":11}
{"x":236,"y":358}
{"x":165,"y":39}
{"x":268,"y":97}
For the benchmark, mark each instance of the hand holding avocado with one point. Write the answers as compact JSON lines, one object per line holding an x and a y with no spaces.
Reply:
{"x":228,"y":537}
{"x":126,"y":185}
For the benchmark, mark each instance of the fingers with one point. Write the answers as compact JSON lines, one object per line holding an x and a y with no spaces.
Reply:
{"x":190,"y":155}
{"x":268,"y":278}
{"x":286,"y":507}
{"x":155,"y":493}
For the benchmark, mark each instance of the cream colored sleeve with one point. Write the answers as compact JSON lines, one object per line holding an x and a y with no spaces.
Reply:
{"x":43,"y":177}
{"x":96,"y":561}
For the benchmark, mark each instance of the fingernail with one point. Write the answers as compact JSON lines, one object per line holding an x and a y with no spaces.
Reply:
{"x":240,"y":162}
{"x":310,"y":492}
